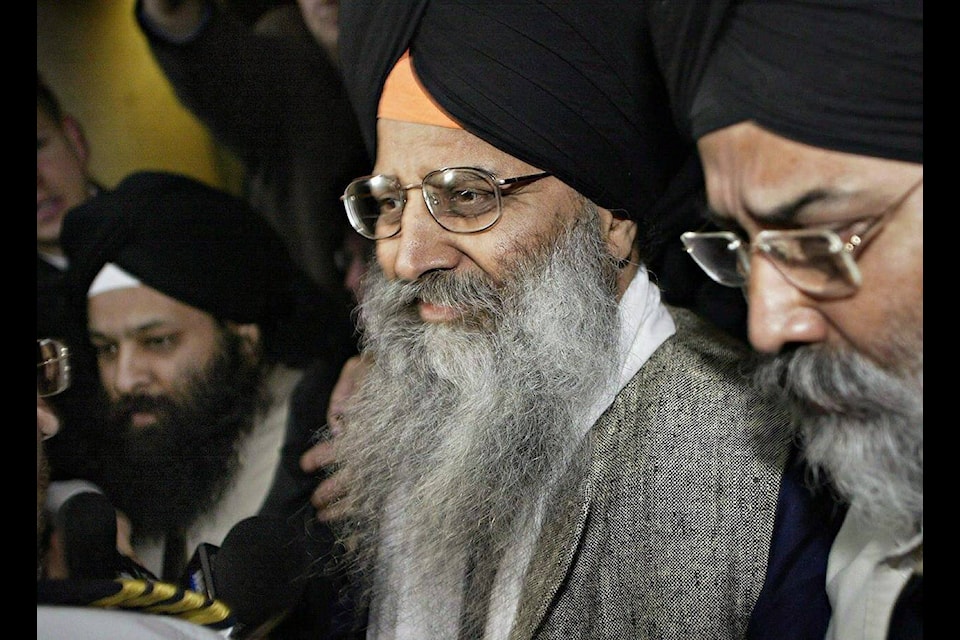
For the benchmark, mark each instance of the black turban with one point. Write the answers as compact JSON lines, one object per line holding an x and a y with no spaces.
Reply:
{"x":203,"y":247}
{"x":569,"y":87}
{"x":841,"y":75}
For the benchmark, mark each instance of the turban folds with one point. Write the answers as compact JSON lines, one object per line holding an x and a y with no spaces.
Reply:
{"x":569,"y":87}
{"x":841,"y":75}
{"x":202,"y":247}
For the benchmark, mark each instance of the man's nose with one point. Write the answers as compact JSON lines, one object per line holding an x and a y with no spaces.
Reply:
{"x":131,"y":373}
{"x":421,"y":246}
{"x":779,"y":313}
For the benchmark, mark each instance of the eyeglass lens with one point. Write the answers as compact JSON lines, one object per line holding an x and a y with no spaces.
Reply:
{"x":53,"y":367}
{"x":718,"y":255}
{"x":816,"y":261}
{"x":813,"y":260}
{"x":461,"y":200}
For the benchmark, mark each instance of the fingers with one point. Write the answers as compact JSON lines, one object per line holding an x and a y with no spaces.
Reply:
{"x":48,"y":424}
{"x":326,"y":498}
{"x":124,"y":534}
{"x":318,"y":456}
{"x":350,"y":375}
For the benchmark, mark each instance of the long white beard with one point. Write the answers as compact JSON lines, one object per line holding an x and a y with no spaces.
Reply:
{"x":861,"y":426}
{"x":458,"y":427}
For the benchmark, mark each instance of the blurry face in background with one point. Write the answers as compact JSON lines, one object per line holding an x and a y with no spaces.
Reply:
{"x":322,"y":19}
{"x":183,"y":391}
{"x":351,"y":259}
{"x":61,"y":176}
{"x":852,"y":367}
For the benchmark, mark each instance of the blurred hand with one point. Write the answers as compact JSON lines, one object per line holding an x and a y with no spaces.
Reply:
{"x":124,"y":533}
{"x":326,"y":497}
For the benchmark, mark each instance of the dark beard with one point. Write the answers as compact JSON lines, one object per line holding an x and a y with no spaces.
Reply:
{"x":860,"y":426}
{"x":461,"y":425}
{"x":168,"y":474}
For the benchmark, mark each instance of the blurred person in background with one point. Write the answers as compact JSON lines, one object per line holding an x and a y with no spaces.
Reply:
{"x":53,"y":378}
{"x":200,"y":339}
{"x":70,"y":618}
{"x":273,"y":95}
{"x":63,"y":182}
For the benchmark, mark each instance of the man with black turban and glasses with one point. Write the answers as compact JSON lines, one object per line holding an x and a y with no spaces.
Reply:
{"x":538,"y":445}
{"x":809,"y":117}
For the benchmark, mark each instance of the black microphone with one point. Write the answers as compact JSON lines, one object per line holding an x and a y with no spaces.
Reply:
{"x":87,"y":523}
{"x":259,"y":571}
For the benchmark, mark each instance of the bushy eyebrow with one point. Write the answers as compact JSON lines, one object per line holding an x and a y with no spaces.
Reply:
{"x":132,"y":332}
{"x":788,"y":212}
{"x":781,"y":215}
{"x":716,"y":221}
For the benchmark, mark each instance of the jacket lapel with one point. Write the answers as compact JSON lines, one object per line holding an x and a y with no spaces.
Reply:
{"x":563,"y":526}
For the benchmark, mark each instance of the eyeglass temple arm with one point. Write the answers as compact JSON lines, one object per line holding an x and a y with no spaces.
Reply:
{"x":522,"y":179}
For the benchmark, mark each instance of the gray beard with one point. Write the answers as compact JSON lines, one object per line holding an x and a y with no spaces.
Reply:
{"x":861,"y":427}
{"x":458,"y":427}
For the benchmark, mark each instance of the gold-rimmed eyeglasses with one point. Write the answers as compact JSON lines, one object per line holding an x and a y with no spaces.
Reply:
{"x":460,"y":199}
{"x":816,"y":261}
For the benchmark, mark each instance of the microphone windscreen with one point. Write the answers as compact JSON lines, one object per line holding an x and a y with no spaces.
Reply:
{"x":88,"y":523}
{"x":260,"y":571}
{"x":62,"y":490}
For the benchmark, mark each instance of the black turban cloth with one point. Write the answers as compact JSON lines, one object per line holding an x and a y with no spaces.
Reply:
{"x":836,"y":74}
{"x":205,"y":248}
{"x":569,"y":87}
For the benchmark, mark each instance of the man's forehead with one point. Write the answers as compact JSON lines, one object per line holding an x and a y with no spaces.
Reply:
{"x":753,"y":173}
{"x":413,"y":149}
{"x":120,"y":311}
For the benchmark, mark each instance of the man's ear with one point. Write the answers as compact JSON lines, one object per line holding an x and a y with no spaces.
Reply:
{"x":250,"y":337}
{"x":620,"y":232}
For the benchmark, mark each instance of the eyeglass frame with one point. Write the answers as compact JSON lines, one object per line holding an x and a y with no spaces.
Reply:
{"x":846,"y":251}
{"x":60,"y":357}
{"x":496,"y":183}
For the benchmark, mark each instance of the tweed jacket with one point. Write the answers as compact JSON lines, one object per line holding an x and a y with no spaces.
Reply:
{"x":662,"y":528}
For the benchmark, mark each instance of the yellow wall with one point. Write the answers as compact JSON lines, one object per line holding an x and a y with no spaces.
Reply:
{"x":93,"y":55}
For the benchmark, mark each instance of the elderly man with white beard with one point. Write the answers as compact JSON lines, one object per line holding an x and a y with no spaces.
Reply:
{"x":538,"y":446}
